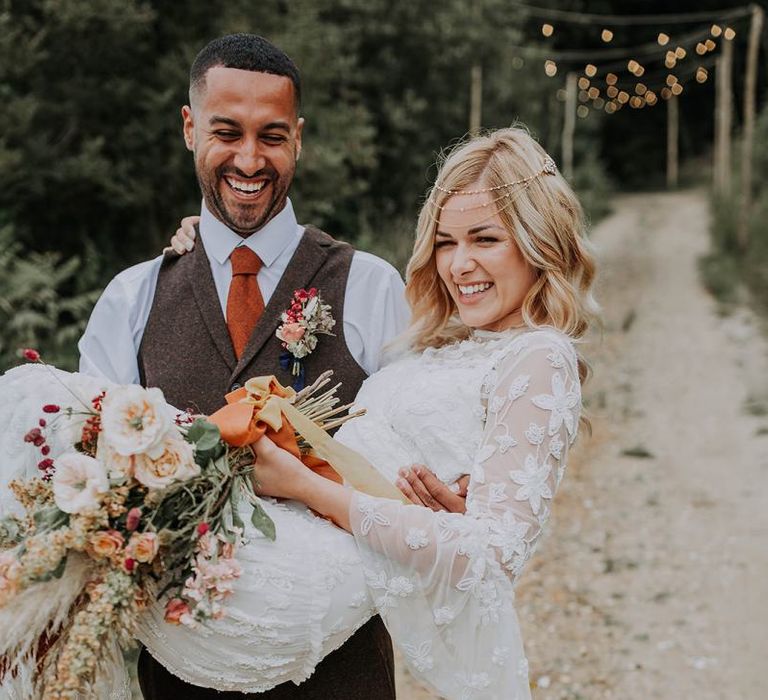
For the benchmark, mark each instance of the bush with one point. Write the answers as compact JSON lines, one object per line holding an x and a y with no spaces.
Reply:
{"x":593,"y":186}
{"x":40,"y":305}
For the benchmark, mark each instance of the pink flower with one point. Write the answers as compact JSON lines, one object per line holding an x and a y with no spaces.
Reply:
{"x":105,"y":543}
{"x":132,"y":519}
{"x":291,"y":332}
{"x":143,"y":546}
{"x":30,"y":354}
{"x":175,"y":609}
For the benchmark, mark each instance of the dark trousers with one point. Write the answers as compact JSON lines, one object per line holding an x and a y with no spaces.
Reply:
{"x":362,"y":668}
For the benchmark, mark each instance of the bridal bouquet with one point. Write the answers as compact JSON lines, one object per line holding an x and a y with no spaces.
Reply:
{"x":145,"y":503}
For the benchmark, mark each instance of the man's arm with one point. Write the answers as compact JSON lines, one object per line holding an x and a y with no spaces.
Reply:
{"x":375,"y":310}
{"x":110,"y":344}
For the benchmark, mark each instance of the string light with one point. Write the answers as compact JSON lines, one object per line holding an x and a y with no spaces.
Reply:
{"x":518,"y":62}
{"x":582,"y":111}
{"x":663,"y":39}
{"x":716,"y":30}
{"x":680,"y":53}
{"x":593,"y":93}
{"x":670,"y":59}
{"x":623,"y":97}
{"x":598,"y":103}
{"x":671,"y":80}
{"x":610,"y":107}
{"x":612,"y":91}
{"x":583,"y":83}
{"x":547,"y":29}
{"x":635,"y":102}
{"x":590,"y":70}
{"x":606,"y":35}
{"x":711,"y":45}
{"x":611,"y":78}
{"x":676,"y":89}
{"x":729,"y":34}
{"x":701,"y":74}
{"x":651,"y":98}
{"x":641,"y":89}
{"x":666,"y":93}
{"x":632,"y":66}
{"x":583,"y":96}
{"x":550,"y":68}
{"x":701,"y":48}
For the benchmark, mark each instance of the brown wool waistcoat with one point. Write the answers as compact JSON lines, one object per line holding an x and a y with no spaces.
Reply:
{"x":186,"y":351}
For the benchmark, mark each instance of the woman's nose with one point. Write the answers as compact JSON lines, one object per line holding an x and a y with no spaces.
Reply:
{"x":462,"y":261}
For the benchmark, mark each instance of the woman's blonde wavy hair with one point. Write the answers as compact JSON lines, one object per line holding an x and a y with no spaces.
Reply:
{"x":544,"y":219}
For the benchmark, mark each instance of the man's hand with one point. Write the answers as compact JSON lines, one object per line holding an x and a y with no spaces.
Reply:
{"x":423,"y":488}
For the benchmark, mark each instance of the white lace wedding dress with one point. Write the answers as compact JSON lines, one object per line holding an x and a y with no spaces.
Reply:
{"x":502,"y":407}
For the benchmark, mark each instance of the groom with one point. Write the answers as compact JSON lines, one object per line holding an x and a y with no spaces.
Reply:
{"x":198,"y":326}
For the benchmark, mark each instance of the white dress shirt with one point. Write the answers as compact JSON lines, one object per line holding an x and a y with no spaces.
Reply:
{"x":375,"y":310}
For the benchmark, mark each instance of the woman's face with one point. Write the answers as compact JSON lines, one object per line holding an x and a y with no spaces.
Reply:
{"x":479,"y":262}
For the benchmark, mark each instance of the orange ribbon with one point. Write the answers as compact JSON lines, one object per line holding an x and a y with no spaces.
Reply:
{"x":249,"y":415}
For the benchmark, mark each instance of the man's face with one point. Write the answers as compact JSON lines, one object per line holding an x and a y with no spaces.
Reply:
{"x":246,"y":137}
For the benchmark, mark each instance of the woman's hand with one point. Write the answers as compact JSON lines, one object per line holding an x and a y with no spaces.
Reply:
{"x":278,"y":473}
{"x":184,"y":238}
{"x":423,"y":488}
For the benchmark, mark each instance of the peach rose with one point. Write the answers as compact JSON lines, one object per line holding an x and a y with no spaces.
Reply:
{"x":105,"y":543}
{"x":291,"y":332}
{"x":175,"y":609}
{"x":176,"y":463}
{"x":143,"y":546}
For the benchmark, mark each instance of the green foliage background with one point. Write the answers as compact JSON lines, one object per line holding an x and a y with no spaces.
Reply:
{"x":94,"y":175}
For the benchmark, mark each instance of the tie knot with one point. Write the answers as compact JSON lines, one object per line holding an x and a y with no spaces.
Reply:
{"x":245,"y":261}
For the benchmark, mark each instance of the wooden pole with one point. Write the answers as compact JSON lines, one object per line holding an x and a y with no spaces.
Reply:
{"x":476,"y":99}
{"x":569,"y":123}
{"x":673,"y":130}
{"x":750,"y":83}
{"x":724,"y":120}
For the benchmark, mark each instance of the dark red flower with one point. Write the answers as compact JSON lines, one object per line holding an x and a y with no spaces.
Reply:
{"x":202,"y":528}
{"x":39,"y":441}
{"x":45,"y":450}
{"x":129,"y":564}
{"x":30,"y":354}
{"x":32,"y":435}
{"x":51,"y":408}
{"x":45,"y":464}
{"x":42,"y":422}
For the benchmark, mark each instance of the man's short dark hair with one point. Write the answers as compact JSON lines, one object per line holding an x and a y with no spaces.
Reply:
{"x":244,"y":52}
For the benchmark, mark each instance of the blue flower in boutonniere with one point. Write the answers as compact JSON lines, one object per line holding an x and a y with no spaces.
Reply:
{"x":305,"y":319}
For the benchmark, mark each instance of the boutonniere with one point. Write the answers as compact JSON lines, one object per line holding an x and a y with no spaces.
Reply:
{"x":306,"y":318}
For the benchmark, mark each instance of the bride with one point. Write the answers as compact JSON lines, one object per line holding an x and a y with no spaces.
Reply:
{"x":486,"y":382}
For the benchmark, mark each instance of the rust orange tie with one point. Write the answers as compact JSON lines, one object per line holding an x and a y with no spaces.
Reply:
{"x":244,"y":302}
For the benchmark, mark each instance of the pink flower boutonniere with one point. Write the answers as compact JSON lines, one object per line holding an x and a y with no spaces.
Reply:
{"x":306,"y":318}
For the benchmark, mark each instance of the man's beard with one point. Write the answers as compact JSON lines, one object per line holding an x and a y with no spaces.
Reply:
{"x":245,"y":222}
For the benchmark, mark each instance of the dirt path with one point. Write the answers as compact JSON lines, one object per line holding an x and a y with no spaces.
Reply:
{"x":653,"y":580}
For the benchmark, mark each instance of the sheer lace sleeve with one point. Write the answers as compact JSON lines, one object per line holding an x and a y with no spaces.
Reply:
{"x":443,"y":582}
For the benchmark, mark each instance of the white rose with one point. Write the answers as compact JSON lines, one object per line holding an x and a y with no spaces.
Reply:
{"x":117,"y":465}
{"x":175,"y":463}
{"x":135,"y":420}
{"x":78,"y":482}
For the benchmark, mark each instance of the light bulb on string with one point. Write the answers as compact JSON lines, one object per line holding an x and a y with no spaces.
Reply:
{"x":663,"y":39}
{"x":641,"y":89}
{"x":671,"y":80}
{"x":590,"y":70}
{"x":583,"y":96}
{"x":676,"y":89}
{"x":550,"y":68}
{"x":612,"y":91}
{"x":680,"y":53}
{"x":610,"y":107}
{"x":623,"y":97}
{"x":701,"y":48}
{"x":635,"y":102}
{"x":583,"y":83}
{"x":582,"y":111}
{"x":729,"y":34}
{"x":651,"y":98}
{"x":711,"y":45}
{"x":611,"y":78}
{"x":593,"y":93}
{"x":701,"y":74}
{"x":606,"y":35}
{"x":632,"y":65}
{"x":547,"y":29}
{"x":666,"y":93}
{"x":598,"y":103}
{"x":716,"y":30}
{"x":560,"y":95}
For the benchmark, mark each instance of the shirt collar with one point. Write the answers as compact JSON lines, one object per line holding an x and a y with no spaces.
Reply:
{"x":268,"y":242}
